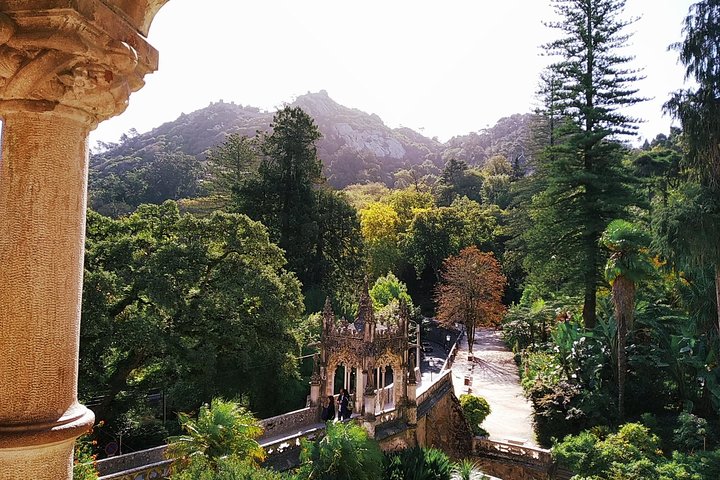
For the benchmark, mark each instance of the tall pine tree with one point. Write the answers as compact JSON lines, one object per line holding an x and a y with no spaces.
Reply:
{"x":318,"y":229}
{"x":584,"y":183}
{"x":698,"y":110}
{"x":281,"y":195}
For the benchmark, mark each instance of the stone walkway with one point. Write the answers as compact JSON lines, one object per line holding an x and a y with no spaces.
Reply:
{"x":494,"y":376}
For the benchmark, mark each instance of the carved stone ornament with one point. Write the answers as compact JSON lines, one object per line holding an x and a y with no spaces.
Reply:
{"x":72,"y":62}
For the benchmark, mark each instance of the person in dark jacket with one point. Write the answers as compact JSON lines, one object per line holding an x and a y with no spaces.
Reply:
{"x":344,"y":402}
{"x":328,"y":409}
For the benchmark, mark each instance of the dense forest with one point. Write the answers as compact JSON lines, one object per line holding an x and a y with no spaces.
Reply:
{"x":215,"y":239}
{"x":171,"y":161}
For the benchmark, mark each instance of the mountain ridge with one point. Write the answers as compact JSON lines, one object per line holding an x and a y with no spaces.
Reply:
{"x":356,"y":147}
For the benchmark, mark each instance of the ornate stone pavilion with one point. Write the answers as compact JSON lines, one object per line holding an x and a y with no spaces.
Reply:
{"x":65,"y":66}
{"x":377,"y":361}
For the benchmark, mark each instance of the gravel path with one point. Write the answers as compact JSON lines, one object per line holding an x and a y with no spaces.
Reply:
{"x":494,"y":376}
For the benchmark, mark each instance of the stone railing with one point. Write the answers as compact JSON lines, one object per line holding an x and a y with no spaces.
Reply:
{"x":385,"y":397}
{"x":441,"y":382}
{"x":451,"y":356}
{"x":386,"y":416}
{"x":279,"y":445}
{"x":284,"y":453}
{"x":155,"y":471}
{"x":142,"y":465}
{"x":484,"y":446}
{"x":289,"y":422}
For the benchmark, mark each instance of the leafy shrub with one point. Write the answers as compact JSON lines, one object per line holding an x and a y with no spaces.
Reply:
{"x":389,"y":288}
{"x":223,"y":429}
{"x":229,"y":468}
{"x":418,"y":464}
{"x":344,"y":453}
{"x":631,"y":453}
{"x":704,"y":465}
{"x":84,"y":460}
{"x":142,"y":431}
{"x":467,"y":470}
{"x":528,"y":326}
{"x":691,"y":432}
{"x":476,"y":410}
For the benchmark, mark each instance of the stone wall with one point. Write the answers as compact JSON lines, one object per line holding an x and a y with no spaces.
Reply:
{"x":290,"y":422}
{"x":511,"y":461}
{"x":109,"y":467}
{"x":511,"y":470}
{"x":441,"y":422}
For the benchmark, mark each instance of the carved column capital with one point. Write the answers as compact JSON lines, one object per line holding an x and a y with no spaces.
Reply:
{"x":83,"y":60}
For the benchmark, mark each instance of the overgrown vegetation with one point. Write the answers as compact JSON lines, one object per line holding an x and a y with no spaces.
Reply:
{"x":606,"y":257}
{"x":476,"y":410}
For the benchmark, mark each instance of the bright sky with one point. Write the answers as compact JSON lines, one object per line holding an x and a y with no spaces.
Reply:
{"x":443,"y":68}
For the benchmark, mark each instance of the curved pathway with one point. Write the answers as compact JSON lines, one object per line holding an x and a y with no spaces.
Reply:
{"x":492,"y":374}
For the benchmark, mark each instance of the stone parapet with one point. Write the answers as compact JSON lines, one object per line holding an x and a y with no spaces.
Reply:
{"x":108,"y":467}
{"x":289,"y":422}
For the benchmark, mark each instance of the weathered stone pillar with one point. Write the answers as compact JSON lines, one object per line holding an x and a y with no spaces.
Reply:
{"x":359,"y":390}
{"x":65,"y":65}
{"x":411,"y":402}
{"x":315,"y":382}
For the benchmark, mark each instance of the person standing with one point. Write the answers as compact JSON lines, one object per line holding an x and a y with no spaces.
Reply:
{"x":328,"y":409}
{"x":344,"y":403}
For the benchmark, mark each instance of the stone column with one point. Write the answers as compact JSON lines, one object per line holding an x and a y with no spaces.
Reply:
{"x":359,"y":390}
{"x":63,"y":69}
{"x":315,"y":382}
{"x":411,"y":402}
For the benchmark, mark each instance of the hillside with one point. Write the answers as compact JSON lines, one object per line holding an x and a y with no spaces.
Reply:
{"x":356,"y":147}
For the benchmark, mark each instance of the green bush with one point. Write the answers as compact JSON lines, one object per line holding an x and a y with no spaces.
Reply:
{"x":631,"y":453}
{"x":389,"y":288}
{"x":84,"y":460}
{"x":228,"y":468}
{"x":344,"y":453}
{"x":418,"y":464}
{"x":476,"y":410}
{"x":223,"y":429}
{"x":691,"y":432}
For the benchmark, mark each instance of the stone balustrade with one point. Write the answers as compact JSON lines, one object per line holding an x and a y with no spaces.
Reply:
{"x":289,"y":422}
{"x":484,"y":446}
{"x":441,"y":382}
{"x":142,"y":465}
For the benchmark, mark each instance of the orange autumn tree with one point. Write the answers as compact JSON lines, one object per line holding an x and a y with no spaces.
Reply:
{"x":470,"y":291}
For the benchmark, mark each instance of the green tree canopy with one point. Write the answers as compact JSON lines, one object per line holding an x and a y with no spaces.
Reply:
{"x":317,"y":228}
{"x":197,"y":307}
{"x":583,"y":183}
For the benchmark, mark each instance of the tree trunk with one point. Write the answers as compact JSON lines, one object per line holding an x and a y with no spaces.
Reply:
{"x":470,"y":327}
{"x":717,"y":292}
{"x":623,"y":295}
{"x":591,"y":279}
{"x":117,"y":382}
{"x":589,"y":306}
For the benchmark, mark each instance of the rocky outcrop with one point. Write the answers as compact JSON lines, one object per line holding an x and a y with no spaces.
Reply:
{"x":356,"y":147}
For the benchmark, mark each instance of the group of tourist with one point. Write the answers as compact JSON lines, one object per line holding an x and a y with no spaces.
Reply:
{"x":328,"y":407}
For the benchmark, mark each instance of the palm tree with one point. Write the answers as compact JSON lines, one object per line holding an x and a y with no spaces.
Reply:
{"x":223,"y":429}
{"x":629,"y":263}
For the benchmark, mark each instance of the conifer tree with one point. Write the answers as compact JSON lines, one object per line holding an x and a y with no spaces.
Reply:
{"x":584,"y":183}
{"x":282,"y":195}
{"x":699,"y":113}
{"x":230,"y":165}
{"x":316,"y":227}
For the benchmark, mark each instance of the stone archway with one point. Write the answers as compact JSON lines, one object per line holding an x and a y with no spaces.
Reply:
{"x":376,"y":352}
{"x":65,"y":66}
